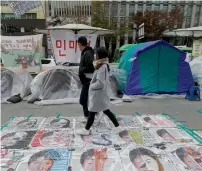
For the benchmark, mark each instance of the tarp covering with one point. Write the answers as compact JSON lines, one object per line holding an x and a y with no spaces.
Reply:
{"x":14,"y":81}
{"x":196,"y":69}
{"x":60,"y":85}
{"x":156,"y":67}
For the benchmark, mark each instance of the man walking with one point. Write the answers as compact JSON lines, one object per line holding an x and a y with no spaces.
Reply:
{"x":86,"y":70}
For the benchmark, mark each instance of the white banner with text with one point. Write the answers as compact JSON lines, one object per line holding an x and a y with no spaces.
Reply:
{"x":65,"y":45}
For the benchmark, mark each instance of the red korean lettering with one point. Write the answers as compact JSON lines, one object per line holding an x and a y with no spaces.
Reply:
{"x":71,"y":44}
{"x":59,"y":45}
{"x":89,"y":43}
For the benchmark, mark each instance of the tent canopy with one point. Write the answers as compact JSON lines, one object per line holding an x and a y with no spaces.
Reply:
{"x":126,"y":47}
{"x":156,"y":67}
{"x":14,"y":81}
{"x":78,"y":29}
{"x":193,"y":31}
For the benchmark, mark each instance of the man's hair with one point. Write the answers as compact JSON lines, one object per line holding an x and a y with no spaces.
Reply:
{"x":147,"y":119}
{"x":123,"y":133}
{"x":181,"y":153}
{"x":160,"y":132}
{"x":58,"y":120}
{"x":83,"y":41}
{"x":46,"y":134}
{"x":8,"y":135}
{"x":101,"y":53}
{"x":88,"y":153}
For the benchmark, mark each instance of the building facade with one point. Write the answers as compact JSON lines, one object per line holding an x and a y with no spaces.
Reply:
{"x":71,"y":11}
{"x":12,"y":24}
{"x":124,"y":10}
{"x":127,"y":9}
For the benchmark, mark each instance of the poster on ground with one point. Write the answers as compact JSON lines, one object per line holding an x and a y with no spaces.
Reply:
{"x":53,"y":123}
{"x":16,"y":140}
{"x":93,"y":140}
{"x":10,"y":159}
{"x":128,"y":136}
{"x":96,"y":159}
{"x":24,"y":123}
{"x":55,"y":138}
{"x":65,"y":45}
{"x":139,"y":158}
{"x":45,"y":160}
{"x":186,"y":157}
{"x":125,"y":121}
{"x":22,"y":50}
{"x":158,"y":120}
{"x":171,"y":135}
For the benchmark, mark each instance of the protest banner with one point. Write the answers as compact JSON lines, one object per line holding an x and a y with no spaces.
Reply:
{"x":22,"y":7}
{"x":19,"y":50}
{"x":197,"y":48}
{"x":65,"y":45}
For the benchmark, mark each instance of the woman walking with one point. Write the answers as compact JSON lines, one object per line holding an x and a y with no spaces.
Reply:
{"x":99,"y":99}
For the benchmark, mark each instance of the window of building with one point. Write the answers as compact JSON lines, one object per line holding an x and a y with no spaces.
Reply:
{"x":114,"y":9}
{"x":140,"y":8}
{"x":197,"y":15}
{"x":148,"y":7}
{"x":156,"y":7}
{"x":122,"y":21}
{"x":131,"y":10}
{"x":123,"y":10}
{"x":188,"y":22}
{"x":165,"y":7}
{"x":4,"y":3}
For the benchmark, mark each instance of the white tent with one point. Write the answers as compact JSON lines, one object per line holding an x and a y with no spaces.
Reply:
{"x":78,"y":29}
{"x":192,"y":32}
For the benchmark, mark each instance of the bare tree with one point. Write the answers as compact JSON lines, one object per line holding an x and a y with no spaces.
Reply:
{"x":156,"y":22}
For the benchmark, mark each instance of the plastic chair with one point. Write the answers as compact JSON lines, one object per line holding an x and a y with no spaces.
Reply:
{"x":193,"y":94}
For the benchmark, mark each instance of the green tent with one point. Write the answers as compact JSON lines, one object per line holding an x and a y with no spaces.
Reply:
{"x":155,"y":67}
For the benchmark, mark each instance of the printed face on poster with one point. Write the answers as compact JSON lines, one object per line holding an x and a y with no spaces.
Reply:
{"x":17,"y":140}
{"x":46,"y":160}
{"x":65,"y":45}
{"x":96,"y":159}
{"x":55,"y":138}
{"x":189,"y":156}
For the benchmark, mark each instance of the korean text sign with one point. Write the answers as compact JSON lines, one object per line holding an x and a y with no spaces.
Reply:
{"x":16,"y":50}
{"x":65,"y":45}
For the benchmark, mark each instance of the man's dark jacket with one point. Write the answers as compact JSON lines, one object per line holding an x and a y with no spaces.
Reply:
{"x":86,"y":64}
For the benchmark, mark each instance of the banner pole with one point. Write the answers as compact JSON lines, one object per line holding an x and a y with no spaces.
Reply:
{"x":44,"y":13}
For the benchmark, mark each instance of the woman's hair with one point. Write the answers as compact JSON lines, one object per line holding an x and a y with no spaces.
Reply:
{"x":143,"y":151}
{"x":102,"y":53}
